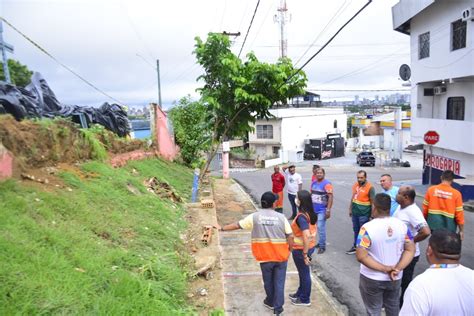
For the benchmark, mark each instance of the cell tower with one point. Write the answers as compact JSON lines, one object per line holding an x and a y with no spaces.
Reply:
{"x":282,"y":18}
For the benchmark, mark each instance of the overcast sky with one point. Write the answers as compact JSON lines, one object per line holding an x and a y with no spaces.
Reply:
{"x":115,"y":43}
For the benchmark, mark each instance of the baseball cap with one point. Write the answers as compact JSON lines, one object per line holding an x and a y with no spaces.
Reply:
{"x":267,"y":199}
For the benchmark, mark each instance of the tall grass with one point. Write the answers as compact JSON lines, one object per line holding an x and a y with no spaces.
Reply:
{"x":99,"y":249}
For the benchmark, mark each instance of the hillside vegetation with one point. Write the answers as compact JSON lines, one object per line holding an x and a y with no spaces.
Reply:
{"x":99,"y":244}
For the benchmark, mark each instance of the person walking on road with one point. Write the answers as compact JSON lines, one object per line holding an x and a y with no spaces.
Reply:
{"x":313,"y":176}
{"x":304,"y":232}
{"x":322,"y":198}
{"x":446,"y":287}
{"x":391,"y":190}
{"x":360,"y":208}
{"x":409,"y":213}
{"x":278,"y":183}
{"x":443,"y":207}
{"x":384,"y":248}
{"x":294,"y":183}
{"x":272,"y":241}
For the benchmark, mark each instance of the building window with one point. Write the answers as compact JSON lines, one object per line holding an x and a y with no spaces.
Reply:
{"x":424,"y":45}
{"x":458,"y":34}
{"x":276,"y":150}
{"x":265,"y":131}
{"x":455,"y":108}
{"x":335,"y":123}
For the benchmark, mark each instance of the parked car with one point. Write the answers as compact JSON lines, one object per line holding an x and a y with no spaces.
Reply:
{"x":366,"y":158}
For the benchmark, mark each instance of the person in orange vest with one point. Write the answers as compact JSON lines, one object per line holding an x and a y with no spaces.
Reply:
{"x":304,"y":232}
{"x":272,"y":241}
{"x":443,"y":207}
{"x":360,"y":208}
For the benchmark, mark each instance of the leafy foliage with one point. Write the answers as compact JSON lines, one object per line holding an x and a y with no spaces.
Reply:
{"x":235,"y":93}
{"x":19,"y":73}
{"x":191,"y":129}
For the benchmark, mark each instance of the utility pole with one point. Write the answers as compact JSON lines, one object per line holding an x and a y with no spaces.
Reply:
{"x":159,"y":82}
{"x":5,"y":48}
{"x":282,"y":19}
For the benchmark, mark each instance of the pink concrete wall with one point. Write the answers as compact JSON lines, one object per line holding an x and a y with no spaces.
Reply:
{"x":166,"y":146}
{"x":6,"y":163}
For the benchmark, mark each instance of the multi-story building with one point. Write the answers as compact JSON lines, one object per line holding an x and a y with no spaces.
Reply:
{"x":442,"y":83}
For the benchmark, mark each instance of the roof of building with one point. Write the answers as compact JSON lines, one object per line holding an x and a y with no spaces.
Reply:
{"x":405,"y":10}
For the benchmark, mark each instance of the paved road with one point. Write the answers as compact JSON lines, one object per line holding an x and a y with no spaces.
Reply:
{"x":339,"y":271}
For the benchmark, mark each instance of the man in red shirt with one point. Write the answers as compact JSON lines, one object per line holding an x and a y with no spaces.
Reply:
{"x":278,"y":183}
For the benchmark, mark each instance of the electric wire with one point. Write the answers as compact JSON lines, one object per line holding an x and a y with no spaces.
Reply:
{"x":330,"y":40}
{"x":250,"y":26}
{"x":59,"y":62}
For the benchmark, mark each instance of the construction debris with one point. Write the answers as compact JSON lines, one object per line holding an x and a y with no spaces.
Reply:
{"x":207,"y":203}
{"x":162,"y":189}
{"x":206,"y":235}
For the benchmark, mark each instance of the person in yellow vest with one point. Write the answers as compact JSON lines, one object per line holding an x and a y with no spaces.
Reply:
{"x":272,"y":241}
{"x":304,"y":235}
{"x":360,"y":208}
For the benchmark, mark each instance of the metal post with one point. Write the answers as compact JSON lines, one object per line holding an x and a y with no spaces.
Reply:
{"x":429,"y":161}
{"x":159,"y":82}
{"x":195,"y":185}
{"x":4,"y":56}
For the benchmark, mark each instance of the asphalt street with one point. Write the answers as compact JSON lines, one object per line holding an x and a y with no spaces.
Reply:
{"x":338,"y":270}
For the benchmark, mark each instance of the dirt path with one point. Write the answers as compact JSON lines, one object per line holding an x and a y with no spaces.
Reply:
{"x":243,"y":286}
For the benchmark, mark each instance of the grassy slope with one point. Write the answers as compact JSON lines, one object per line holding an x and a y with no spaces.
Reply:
{"x":96,"y":250}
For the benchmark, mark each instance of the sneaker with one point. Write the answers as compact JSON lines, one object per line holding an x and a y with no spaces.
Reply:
{"x":351,"y":251}
{"x":270,"y":307}
{"x":321,"y":251}
{"x":298,"y":302}
{"x":278,"y":313}
{"x":293,"y":296}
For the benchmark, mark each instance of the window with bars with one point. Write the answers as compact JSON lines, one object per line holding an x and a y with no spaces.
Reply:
{"x":458,"y":34}
{"x":455,"y":110}
{"x":264,"y":131}
{"x":424,"y":45}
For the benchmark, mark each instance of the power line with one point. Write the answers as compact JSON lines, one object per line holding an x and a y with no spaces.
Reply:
{"x":248,"y":30}
{"x":356,"y":90}
{"x":334,"y":17}
{"x":329,"y":41}
{"x":59,"y":62}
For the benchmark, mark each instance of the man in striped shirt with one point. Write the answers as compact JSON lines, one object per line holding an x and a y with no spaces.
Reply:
{"x":443,"y":207}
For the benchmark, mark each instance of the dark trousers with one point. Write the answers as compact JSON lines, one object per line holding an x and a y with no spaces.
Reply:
{"x":291,"y":198}
{"x":378,"y":294}
{"x":357,"y":222}
{"x":407,"y":277}
{"x":304,"y":273}
{"x":274,"y":274}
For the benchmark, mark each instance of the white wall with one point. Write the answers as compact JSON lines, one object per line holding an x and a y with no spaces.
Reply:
{"x":294,"y":130}
{"x":467,"y":160}
{"x":442,"y":62}
{"x":276,"y":132}
{"x":389,"y":138}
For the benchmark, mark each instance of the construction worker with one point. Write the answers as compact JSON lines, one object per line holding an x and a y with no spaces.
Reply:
{"x":272,"y":241}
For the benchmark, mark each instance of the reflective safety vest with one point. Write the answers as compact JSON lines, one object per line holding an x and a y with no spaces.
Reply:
{"x":360,"y":194}
{"x":298,"y":233}
{"x":269,"y":242}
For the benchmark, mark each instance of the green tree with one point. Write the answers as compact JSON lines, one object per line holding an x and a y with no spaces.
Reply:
{"x":190,"y":129}
{"x":235,"y":93}
{"x":19,"y":73}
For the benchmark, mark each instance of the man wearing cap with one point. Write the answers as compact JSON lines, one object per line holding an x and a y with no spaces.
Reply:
{"x":272,"y":241}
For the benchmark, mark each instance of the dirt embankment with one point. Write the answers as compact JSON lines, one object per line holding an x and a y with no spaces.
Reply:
{"x":42,"y":143}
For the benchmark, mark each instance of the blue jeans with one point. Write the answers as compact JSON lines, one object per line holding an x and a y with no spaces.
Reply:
{"x":274,"y":275}
{"x":357,"y":222}
{"x":322,"y":229}
{"x":291,"y":198}
{"x":304,"y":273}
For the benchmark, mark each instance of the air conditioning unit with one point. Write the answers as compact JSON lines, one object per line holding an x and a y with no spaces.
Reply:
{"x":439,"y":90}
{"x":468,"y":14}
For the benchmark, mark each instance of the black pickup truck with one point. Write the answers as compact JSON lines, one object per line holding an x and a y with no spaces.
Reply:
{"x":366,"y":158}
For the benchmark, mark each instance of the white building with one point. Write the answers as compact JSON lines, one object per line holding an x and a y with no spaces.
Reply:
{"x":442,"y":82}
{"x":290,"y":127}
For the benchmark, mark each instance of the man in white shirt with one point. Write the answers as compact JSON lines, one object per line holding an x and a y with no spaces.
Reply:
{"x":294,"y":183}
{"x":409,"y":213}
{"x":446,"y":287}
{"x":384,"y":248}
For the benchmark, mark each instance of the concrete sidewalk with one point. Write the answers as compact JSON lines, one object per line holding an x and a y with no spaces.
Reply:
{"x":243,"y":286}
